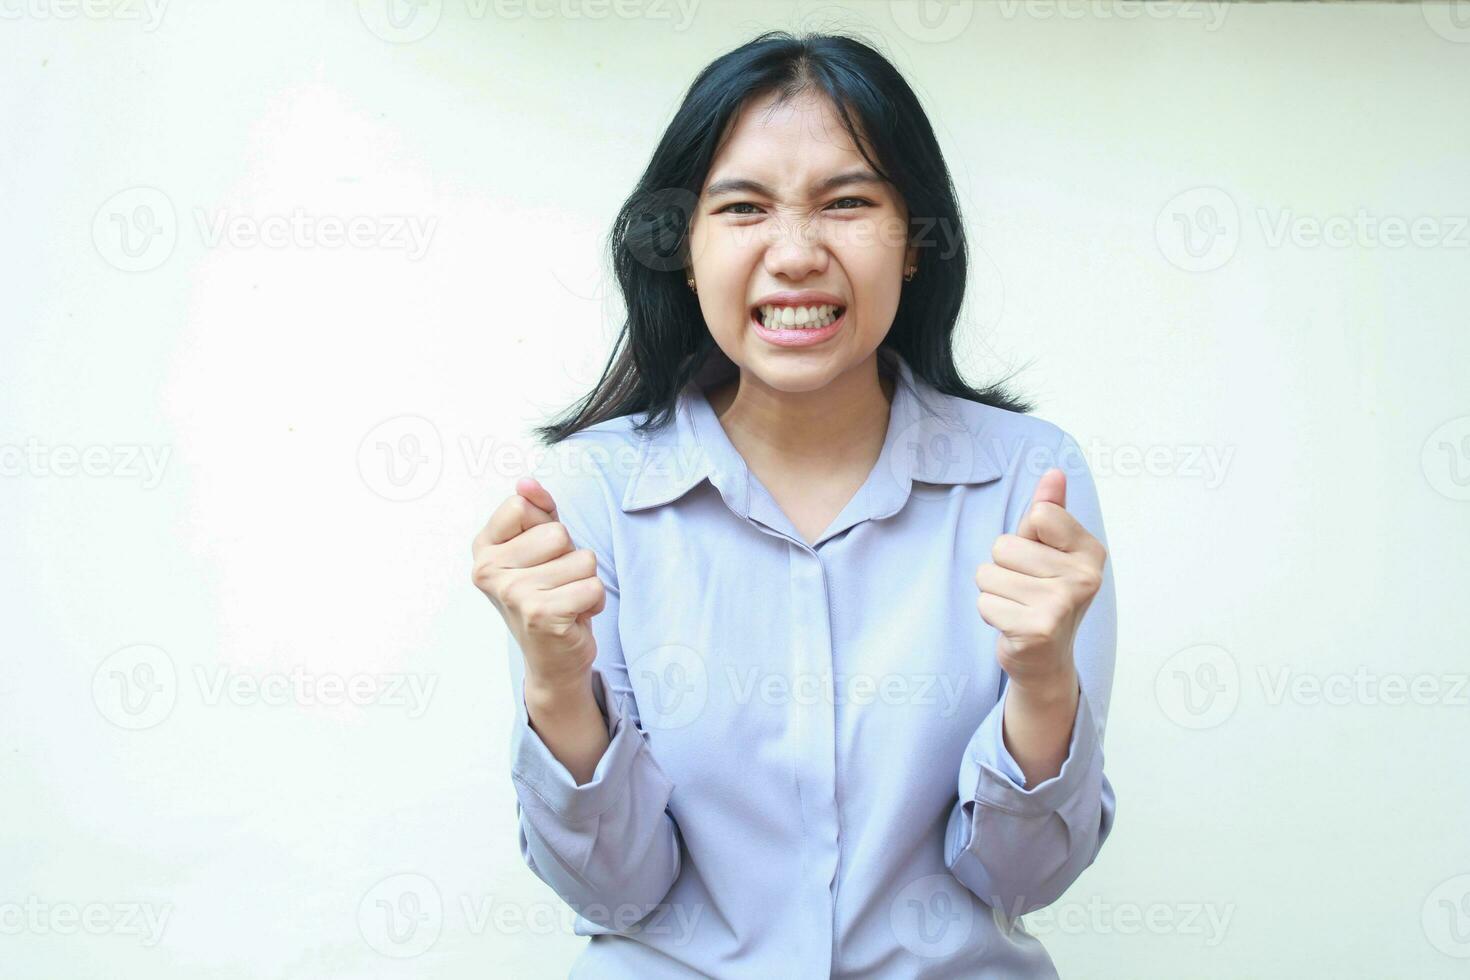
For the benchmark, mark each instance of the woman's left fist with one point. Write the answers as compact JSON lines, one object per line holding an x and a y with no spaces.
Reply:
{"x":1041,"y":581}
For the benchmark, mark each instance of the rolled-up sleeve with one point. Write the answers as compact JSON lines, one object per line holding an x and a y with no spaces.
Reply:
{"x":1017,"y":848}
{"x":609,"y":847}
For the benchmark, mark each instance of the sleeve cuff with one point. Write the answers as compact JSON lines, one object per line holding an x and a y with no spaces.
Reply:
{"x":997,"y":779}
{"x":552,"y":786}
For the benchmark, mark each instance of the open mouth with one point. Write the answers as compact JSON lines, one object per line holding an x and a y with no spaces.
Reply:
{"x":797,"y":317}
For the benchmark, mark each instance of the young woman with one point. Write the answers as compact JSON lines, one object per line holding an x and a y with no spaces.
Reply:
{"x":816,"y":640}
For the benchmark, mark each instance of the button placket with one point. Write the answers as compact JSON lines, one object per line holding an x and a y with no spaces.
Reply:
{"x":815,"y":728}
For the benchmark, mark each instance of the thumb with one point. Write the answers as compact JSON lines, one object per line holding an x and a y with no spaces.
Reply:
{"x":531,"y":488}
{"x":1052,"y":489}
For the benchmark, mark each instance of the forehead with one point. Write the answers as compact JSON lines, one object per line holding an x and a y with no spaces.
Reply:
{"x":799,"y":138}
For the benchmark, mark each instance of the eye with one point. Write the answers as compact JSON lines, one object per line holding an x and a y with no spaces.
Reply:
{"x":861,"y":202}
{"x":737,"y":204}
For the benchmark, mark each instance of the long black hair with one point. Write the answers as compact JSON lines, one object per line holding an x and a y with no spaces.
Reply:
{"x":664,"y":342}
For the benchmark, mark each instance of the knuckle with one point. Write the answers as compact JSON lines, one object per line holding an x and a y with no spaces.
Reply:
{"x":483,"y":574}
{"x":512,"y":593}
{"x":536,"y":617}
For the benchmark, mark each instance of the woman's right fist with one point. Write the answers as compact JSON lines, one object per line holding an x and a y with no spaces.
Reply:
{"x":545,"y":588}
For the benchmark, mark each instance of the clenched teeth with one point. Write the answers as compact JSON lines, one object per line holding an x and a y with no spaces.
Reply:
{"x":798,"y":317}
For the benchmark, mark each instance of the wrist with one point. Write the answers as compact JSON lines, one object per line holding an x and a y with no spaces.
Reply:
{"x":1053,"y":690}
{"x":546,"y":697}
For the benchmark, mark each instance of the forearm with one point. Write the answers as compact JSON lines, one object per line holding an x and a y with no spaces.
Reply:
{"x":570,"y":723}
{"x":1038,"y":725}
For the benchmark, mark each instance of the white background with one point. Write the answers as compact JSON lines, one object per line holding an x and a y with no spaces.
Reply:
{"x":235,"y":462}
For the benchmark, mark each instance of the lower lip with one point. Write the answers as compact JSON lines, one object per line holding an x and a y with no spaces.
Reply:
{"x":795,"y":337}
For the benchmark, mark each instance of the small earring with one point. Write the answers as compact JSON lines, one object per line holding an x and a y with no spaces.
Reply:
{"x":908,"y":276}
{"x":690,"y":281}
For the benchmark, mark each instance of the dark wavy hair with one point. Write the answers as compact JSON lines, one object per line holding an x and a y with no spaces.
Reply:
{"x":664,"y":342}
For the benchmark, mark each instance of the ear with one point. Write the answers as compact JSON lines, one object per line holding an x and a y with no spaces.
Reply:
{"x":911,"y":257}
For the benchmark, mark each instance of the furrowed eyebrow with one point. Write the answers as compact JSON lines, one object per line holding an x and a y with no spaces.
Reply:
{"x":744,"y":185}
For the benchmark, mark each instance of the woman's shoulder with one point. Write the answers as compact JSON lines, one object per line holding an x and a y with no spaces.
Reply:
{"x":587,"y":472}
{"x":1006,"y":434}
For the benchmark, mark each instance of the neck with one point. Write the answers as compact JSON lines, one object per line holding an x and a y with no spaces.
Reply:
{"x":846,"y":417}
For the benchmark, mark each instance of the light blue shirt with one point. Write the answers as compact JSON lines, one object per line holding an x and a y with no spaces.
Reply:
{"x":807,"y":775}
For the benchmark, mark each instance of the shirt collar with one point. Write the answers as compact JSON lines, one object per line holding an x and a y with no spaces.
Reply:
{"x":928,"y":440}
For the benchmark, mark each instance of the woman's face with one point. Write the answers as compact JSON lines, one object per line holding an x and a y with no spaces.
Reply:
{"x":791,"y":210}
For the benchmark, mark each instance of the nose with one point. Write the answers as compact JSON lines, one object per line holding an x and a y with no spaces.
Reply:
{"x":795,"y":251}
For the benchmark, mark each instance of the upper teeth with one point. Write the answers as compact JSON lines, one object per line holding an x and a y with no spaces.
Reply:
{"x":808,"y":317}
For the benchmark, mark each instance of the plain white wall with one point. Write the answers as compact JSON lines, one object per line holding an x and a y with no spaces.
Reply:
{"x":236,"y":469}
